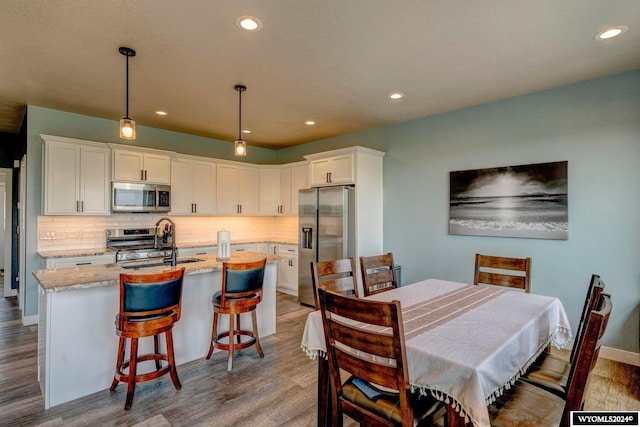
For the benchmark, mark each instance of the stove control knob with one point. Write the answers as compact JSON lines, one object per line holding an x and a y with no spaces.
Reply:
{"x":133,"y":256}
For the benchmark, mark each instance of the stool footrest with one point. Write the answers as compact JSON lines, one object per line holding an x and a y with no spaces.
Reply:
{"x":122,"y":377}
{"x":236,"y":346}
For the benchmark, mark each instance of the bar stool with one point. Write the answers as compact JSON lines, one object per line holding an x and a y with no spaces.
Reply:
{"x":149,"y":306}
{"x":241,"y":292}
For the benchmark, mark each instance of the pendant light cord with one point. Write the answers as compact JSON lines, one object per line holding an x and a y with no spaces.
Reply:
{"x":240,"y":115}
{"x":127,"y":90}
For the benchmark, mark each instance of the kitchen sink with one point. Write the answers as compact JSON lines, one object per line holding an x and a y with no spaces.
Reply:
{"x":145,"y":264}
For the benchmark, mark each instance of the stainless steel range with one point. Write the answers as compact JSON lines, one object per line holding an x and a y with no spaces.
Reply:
{"x":139,"y":244}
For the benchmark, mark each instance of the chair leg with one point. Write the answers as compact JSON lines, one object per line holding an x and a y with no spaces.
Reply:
{"x":133,"y":363}
{"x":156,"y":350}
{"x":238,"y":327}
{"x":231,"y":336}
{"x":214,"y":334}
{"x":254,"y":320}
{"x":172,"y":361}
{"x":119,"y":360}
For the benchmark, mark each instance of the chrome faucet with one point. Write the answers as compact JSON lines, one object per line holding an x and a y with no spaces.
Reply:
{"x":169,"y":231}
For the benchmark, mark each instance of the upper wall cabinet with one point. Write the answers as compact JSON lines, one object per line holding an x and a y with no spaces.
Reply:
{"x":76,"y":177}
{"x":193,"y":185}
{"x":270,"y":192}
{"x":299,"y":180}
{"x":151,"y":166}
{"x":332,"y":170}
{"x":344,"y":166}
{"x":237,"y":190}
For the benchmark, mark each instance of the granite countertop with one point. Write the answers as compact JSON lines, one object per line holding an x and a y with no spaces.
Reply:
{"x":88,"y":276}
{"x":102,"y":251}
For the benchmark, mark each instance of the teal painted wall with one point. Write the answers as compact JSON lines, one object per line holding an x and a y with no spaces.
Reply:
{"x":594,"y":125}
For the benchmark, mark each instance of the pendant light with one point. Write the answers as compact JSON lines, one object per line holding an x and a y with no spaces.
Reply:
{"x":240,"y":145}
{"x":127,"y":126}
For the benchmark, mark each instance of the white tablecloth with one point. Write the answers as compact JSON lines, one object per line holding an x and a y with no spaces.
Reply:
{"x":466,"y":344}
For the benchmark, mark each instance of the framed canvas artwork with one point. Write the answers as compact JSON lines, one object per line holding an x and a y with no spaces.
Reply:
{"x":513,"y":201}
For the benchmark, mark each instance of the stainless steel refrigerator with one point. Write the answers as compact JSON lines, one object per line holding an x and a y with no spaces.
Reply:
{"x":326,"y":225}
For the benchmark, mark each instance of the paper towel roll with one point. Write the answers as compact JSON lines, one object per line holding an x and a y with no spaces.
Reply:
{"x":224,"y":244}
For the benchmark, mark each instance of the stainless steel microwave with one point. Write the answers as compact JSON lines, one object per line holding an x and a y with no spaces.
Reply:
{"x":139,"y":197}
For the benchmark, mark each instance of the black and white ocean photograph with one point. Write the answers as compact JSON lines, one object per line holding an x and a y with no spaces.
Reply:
{"x":514,"y":201}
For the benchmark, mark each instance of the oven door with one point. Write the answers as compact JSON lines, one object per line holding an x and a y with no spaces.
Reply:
{"x":134,"y":197}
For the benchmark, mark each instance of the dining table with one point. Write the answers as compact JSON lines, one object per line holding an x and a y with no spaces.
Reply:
{"x":465,"y":344}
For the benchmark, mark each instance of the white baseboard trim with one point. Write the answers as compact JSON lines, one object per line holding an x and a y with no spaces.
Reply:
{"x":30,"y":320}
{"x":622,"y":356}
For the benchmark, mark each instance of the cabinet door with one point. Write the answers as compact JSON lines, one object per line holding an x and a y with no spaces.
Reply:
{"x":227,"y":189}
{"x":249,"y":191}
{"x":319,"y":170}
{"x":269,"y":192}
{"x":342,"y":169}
{"x":127,"y":165}
{"x":299,"y":181}
{"x":157,"y":168}
{"x":62,"y":192}
{"x":285,"y":191}
{"x":204,"y":187}
{"x":79,"y":261}
{"x":94,"y":181}
{"x":181,"y":186}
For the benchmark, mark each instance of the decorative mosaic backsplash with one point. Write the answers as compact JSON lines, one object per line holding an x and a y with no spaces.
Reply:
{"x":89,"y":232}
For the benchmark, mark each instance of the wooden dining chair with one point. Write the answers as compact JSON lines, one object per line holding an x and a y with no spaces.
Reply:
{"x":528,"y":404}
{"x":149,"y":306}
{"x":365,"y":340}
{"x":337,"y":276}
{"x":503,"y":271}
{"x":378,"y":273}
{"x":551,"y":371}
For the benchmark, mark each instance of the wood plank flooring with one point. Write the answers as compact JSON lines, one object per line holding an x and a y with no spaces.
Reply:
{"x":279,"y":390}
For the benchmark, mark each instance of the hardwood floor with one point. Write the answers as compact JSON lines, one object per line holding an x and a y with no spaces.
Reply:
{"x":278,"y":390}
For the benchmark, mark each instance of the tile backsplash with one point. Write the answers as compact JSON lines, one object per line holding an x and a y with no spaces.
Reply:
{"x":88,"y":232}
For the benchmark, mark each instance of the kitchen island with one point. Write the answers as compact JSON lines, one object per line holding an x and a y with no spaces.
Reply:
{"x":77,"y":341}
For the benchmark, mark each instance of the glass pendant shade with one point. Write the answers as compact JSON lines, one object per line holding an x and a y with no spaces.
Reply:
{"x":240,"y":148}
{"x":127,"y":129}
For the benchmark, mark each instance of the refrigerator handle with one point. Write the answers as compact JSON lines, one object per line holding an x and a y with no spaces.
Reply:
{"x":307,"y":238}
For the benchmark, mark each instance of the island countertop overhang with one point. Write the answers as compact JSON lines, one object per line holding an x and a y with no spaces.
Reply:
{"x":89,"y":276}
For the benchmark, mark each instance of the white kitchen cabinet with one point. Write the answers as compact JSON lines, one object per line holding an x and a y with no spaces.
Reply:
{"x":193,"y":185}
{"x":141,"y":166}
{"x":76,"y":180}
{"x":237,"y":190}
{"x":287,"y":270}
{"x":270,"y":192}
{"x":80,"y":260}
{"x":332,"y":170}
{"x":199,"y":250}
{"x":262,"y":248}
{"x":241,"y":247}
{"x":299,"y":181}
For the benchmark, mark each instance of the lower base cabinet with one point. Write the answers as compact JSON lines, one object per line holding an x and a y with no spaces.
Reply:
{"x":287,"y":271}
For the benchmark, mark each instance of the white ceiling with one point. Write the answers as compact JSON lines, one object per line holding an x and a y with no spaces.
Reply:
{"x":332,"y":61}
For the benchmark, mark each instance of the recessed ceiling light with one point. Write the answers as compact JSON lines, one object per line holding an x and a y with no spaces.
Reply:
{"x":249,"y":23}
{"x":246,"y":131}
{"x":611,"y":32}
{"x":396,"y":95}
{"x":161,"y":113}
{"x":309,"y":123}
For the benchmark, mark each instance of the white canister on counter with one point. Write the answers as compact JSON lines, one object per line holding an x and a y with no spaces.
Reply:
{"x":224,"y":244}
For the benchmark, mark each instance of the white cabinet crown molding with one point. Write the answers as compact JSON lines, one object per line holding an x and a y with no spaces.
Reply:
{"x":342,"y":151}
